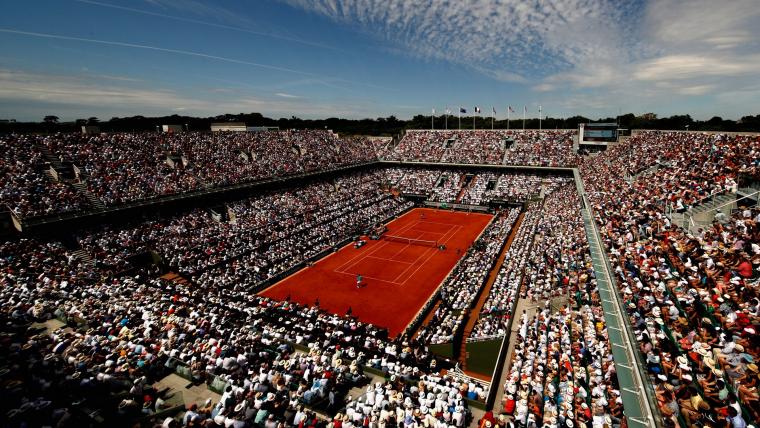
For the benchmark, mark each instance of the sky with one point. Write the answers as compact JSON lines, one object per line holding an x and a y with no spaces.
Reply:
{"x":376,"y":58}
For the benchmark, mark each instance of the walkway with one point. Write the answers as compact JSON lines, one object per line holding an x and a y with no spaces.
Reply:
{"x":530,"y":309}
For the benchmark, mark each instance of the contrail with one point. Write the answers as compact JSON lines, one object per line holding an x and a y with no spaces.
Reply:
{"x":210,"y":24}
{"x":156,"y":48}
{"x":191,"y":53}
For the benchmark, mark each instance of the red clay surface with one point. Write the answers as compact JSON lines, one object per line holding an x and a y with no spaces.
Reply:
{"x":398,"y":277}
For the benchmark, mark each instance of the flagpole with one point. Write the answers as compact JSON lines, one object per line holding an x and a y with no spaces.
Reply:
{"x":539,"y":118}
{"x":446,"y":119}
{"x":432,"y":124}
{"x":492,"y":117}
{"x":525,"y":110}
{"x":508,"y":108}
{"x":459,"y":118}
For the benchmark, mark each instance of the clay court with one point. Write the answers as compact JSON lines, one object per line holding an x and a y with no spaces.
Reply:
{"x":399,"y":277}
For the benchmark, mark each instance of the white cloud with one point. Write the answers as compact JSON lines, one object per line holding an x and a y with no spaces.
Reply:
{"x":67,"y":94}
{"x":691,"y":66}
{"x":676,"y":51}
{"x":642,"y":53}
{"x":704,"y":23}
{"x":284,"y":95}
{"x":503,"y":39}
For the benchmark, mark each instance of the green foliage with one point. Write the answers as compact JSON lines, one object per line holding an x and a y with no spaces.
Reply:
{"x":386,"y":126}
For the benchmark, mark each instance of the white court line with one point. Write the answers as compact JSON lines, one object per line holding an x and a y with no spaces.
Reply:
{"x":382,"y":258}
{"x":389,"y":260}
{"x":370,"y":277}
{"x":428,"y":259}
{"x":407,"y":246}
{"x":438,"y":222}
{"x":374,"y":250}
{"x":452,"y":229}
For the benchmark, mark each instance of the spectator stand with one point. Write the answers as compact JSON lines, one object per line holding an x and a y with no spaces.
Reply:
{"x":128,"y":211}
{"x":637,"y":394}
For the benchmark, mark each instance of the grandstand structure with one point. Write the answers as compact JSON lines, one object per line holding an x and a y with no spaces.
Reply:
{"x":516,"y":275}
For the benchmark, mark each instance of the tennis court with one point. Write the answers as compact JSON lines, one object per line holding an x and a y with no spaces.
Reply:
{"x":399,"y":272}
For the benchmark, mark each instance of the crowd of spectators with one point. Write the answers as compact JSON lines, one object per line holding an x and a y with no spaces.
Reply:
{"x":473,"y":188}
{"x":542,"y":148}
{"x":119,"y":168}
{"x":691,"y":295}
{"x":381,"y":145}
{"x":561,"y":373}
{"x":224,"y":158}
{"x":561,"y":369}
{"x":487,"y":187}
{"x":25,"y":188}
{"x":417,"y":181}
{"x":263,"y":236}
{"x":448,"y":187}
{"x":122,"y":167}
{"x":475,"y":191}
{"x":431,"y":400}
{"x":422,"y":146}
{"x":478,"y":147}
{"x":497,"y":309}
{"x":495,"y":147}
{"x":123,"y":333}
{"x":463,"y":285}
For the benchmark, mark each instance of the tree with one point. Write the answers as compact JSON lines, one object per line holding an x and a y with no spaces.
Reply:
{"x":93,"y":121}
{"x":50,"y":119}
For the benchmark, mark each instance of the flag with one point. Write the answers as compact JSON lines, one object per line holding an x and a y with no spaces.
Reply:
{"x":525,"y":109}
{"x":433,"y":110}
{"x":477,"y":109}
{"x":539,"y":109}
{"x":448,"y":110}
{"x":510,"y":109}
{"x":494,"y":109}
{"x":462,"y":110}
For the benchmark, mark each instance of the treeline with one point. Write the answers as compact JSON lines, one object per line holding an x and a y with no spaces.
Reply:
{"x":382,"y":125}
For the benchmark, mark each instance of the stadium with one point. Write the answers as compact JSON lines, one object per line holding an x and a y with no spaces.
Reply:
{"x":450,"y":270}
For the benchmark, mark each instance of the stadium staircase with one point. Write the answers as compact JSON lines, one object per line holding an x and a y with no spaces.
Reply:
{"x":175,"y":277}
{"x":50,"y":175}
{"x":704,"y":212}
{"x":504,"y":160}
{"x":751,"y":195}
{"x":396,"y":140}
{"x":92,"y":199}
{"x":464,"y":188}
{"x":84,"y":257}
{"x":54,"y":161}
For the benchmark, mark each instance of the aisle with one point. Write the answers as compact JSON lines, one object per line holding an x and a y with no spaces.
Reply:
{"x":531,"y":309}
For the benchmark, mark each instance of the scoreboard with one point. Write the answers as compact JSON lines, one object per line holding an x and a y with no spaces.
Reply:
{"x":599,"y":132}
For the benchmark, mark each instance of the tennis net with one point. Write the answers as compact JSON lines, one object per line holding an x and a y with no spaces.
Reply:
{"x":405,"y":240}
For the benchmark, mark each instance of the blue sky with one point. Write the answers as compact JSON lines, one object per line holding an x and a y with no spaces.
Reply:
{"x":371,"y":58}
